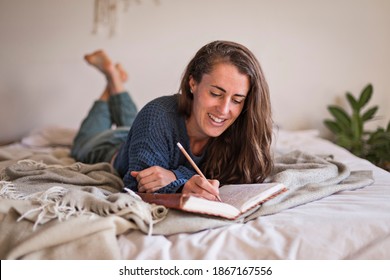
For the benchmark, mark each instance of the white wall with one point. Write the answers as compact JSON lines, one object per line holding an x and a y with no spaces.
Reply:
{"x":312,"y":52}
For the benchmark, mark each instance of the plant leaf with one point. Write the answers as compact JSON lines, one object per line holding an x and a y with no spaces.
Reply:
{"x":345,"y":141}
{"x":357,"y":126}
{"x":365,"y":96}
{"x":341,"y":117}
{"x":369,"y":114}
{"x":333,"y":126}
{"x":352,"y":101}
{"x":380,"y":142}
{"x":373,"y":136}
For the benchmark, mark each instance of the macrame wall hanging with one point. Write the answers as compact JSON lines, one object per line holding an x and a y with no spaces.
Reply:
{"x":106,"y":14}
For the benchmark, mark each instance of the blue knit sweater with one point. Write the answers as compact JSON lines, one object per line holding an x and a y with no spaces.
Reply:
{"x":152,"y":141}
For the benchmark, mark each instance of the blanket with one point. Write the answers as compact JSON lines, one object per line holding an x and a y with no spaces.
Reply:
{"x":52,"y":207}
{"x":63,"y":191}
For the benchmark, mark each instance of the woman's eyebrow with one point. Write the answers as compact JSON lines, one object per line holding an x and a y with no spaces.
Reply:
{"x":218,"y":87}
{"x":222,"y":89}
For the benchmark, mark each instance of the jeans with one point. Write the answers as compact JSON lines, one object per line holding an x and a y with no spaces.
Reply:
{"x":97,"y":140}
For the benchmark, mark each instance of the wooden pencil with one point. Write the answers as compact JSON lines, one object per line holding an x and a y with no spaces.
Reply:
{"x":193,"y":164}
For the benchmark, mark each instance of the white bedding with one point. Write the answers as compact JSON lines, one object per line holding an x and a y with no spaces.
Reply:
{"x":346,"y":225}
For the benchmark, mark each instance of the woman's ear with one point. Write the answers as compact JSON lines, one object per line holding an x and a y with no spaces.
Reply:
{"x":192,"y":83}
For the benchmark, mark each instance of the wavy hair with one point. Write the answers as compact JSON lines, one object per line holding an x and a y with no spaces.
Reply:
{"x":242,"y":153}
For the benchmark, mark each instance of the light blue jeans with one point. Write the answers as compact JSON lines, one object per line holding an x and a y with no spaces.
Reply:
{"x":97,"y":140}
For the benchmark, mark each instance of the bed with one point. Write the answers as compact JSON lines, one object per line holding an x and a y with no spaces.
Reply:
{"x":337,"y":207}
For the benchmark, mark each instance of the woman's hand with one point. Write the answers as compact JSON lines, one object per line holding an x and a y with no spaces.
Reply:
{"x":202,"y":187}
{"x":153,"y":178}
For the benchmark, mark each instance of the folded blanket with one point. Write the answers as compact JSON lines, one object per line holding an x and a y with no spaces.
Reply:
{"x":63,"y":191}
{"x":83,"y":237}
{"x":54,"y":211}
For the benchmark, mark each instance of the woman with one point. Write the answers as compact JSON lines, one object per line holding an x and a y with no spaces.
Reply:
{"x":222,"y":117}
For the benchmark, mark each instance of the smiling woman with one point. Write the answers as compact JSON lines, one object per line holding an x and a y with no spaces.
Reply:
{"x":241,"y":154}
{"x":222,"y":117}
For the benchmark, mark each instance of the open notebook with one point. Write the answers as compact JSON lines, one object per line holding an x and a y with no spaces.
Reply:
{"x":236,"y":199}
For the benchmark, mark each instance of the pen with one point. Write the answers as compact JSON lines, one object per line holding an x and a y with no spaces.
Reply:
{"x":193,"y":164}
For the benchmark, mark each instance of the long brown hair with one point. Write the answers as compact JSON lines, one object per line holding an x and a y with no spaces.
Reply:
{"x":241,"y":154}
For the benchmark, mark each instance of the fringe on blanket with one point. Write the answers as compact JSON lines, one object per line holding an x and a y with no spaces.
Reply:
{"x":48,"y":204}
{"x":61,"y":203}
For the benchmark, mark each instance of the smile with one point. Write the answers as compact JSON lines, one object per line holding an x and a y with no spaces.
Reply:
{"x":215,"y":119}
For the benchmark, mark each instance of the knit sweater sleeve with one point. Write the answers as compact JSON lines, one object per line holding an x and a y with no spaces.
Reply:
{"x":152,"y":142}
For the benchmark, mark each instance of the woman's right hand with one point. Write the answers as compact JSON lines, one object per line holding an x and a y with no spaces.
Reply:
{"x":200,"y":186}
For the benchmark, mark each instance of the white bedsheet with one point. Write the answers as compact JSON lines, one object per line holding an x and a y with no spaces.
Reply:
{"x":346,"y":225}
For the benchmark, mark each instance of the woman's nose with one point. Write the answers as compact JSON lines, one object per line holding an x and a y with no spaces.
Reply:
{"x":224,"y":106}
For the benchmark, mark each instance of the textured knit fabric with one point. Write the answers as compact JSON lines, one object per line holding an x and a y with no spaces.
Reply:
{"x":96,"y":141}
{"x":152,"y":141}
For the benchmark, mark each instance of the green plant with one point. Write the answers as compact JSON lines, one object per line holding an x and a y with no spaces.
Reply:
{"x":378,"y":151}
{"x":349,"y":129}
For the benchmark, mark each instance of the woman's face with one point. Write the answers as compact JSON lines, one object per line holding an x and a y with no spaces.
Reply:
{"x":218,"y":101}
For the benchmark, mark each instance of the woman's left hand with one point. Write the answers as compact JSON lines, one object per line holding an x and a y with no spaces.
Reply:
{"x":153,"y":178}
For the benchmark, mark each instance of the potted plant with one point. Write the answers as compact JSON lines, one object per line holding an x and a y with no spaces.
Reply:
{"x":349,"y":129}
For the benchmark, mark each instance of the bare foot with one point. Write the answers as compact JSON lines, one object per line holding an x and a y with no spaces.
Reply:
{"x":115,"y":75}
{"x":122,"y":72}
{"x":101,"y":61}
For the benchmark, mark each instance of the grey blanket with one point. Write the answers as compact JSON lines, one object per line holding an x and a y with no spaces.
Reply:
{"x":308,"y":178}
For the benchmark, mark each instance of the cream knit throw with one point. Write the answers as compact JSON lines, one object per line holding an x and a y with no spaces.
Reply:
{"x":59,"y":192}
